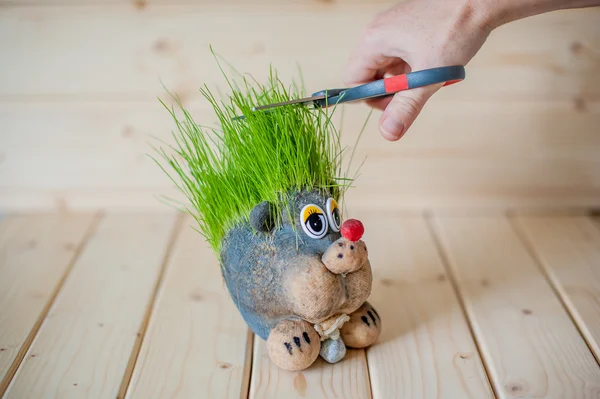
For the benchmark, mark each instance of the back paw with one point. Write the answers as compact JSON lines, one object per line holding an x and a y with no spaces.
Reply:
{"x":363,"y":328}
{"x":293,"y":345}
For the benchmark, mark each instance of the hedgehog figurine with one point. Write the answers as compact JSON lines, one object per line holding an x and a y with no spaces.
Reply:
{"x":265,"y":190}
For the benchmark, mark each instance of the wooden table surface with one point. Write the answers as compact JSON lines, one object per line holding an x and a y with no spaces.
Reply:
{"x":133,"y":305}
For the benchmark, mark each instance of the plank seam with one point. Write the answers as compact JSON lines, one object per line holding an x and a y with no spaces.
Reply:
{"x":364,"y":352}
{"x":541,"y":265}
{"x":248,"y":360}
{"x":459,"y":297}
{"x":16,"y":364}
{"x":137,"y":346}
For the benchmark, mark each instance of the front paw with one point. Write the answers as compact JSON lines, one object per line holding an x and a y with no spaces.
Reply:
{"x":363,"y":328}
{"x":293,"y":345}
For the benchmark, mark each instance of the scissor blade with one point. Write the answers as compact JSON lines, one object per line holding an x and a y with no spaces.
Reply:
{"x":290,"y":102}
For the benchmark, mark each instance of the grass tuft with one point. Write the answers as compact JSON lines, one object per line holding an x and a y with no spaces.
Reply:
{"x":225,"y":171}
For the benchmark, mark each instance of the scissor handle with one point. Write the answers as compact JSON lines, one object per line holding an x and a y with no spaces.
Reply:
{"x":388,"y":86}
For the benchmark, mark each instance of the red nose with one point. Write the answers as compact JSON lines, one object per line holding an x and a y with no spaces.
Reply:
{"x":352,"y":229}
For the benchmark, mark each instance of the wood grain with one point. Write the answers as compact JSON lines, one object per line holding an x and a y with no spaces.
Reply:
{"x":347,"y":379}
{"x":457,"y":155}
{"x":568,"y":248}
{"x":426,"y":349}
{"x":83,"y":346}
{"x":547,"y":56}
{"x":35,"y":254}
{"x":197,"y":344}
{"x":529,"y":343}
{"x":519,"y":131}
{"x":143,"y":5}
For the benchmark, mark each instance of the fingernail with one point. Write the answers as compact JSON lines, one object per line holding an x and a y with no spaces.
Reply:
{"x":391,"y":128}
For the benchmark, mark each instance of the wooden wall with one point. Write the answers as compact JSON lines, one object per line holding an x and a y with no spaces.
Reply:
{"x":79,"y":83}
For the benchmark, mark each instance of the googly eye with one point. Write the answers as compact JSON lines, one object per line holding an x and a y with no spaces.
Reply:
{"x":313,"y":221}
{"x":333,"y":214}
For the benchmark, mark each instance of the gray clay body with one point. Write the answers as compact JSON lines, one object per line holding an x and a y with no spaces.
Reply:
{"x":277,"y":274}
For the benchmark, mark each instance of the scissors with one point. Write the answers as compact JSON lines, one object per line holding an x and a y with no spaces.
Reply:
{"x":379,"y":88}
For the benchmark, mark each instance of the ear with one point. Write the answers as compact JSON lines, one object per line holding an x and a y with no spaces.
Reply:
{"x":262,"y":217}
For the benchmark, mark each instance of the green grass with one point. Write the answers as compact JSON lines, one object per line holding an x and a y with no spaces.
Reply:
{"x":225,"y":171}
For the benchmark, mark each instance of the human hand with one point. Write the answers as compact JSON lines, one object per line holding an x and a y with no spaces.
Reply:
{"x":415,"y":35}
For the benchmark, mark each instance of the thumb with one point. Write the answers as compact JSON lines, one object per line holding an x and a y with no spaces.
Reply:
{"x":402,"y":111}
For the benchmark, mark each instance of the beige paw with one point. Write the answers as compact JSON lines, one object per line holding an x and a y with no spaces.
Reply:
{"x":363,"y":328}
{"x":293,"y":345}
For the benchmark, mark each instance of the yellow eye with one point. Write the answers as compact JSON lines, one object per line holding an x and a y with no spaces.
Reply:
{"x":333,"y":214}
{"x":313,"y":221}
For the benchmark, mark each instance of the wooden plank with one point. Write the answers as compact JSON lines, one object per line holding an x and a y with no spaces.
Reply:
{"x":444,"y":199}
{"x":529,"y":343}
{"x":197,"y":344}
{"x":568,"y":247}
{"x":486,"y":151}
{"x":546,"y":56}
{"x":35,"y":254}
{"x":426,"y":349}
{"x":83,"y":133}
{"x":142,"y":5}
{"x":459,"y":154}
{"x":84,"y":344}
{"x":347,"y":379}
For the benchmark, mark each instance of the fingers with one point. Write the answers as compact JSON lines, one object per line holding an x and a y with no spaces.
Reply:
{"x":379,"y":103}
{"x":364,"y":68}
{"x":402,"y":110}
{"x":377,"y":56}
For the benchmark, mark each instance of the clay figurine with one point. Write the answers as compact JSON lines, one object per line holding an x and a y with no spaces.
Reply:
{"x":266,"y":193}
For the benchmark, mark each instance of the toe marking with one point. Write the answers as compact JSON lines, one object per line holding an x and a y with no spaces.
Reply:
{"x":365,"y":320}
{"x":376,"y":314}
{"x":288,"y":346}
{"x":306,"y":337}
{"x":297,"y":342}
{"x":372,"y":317}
